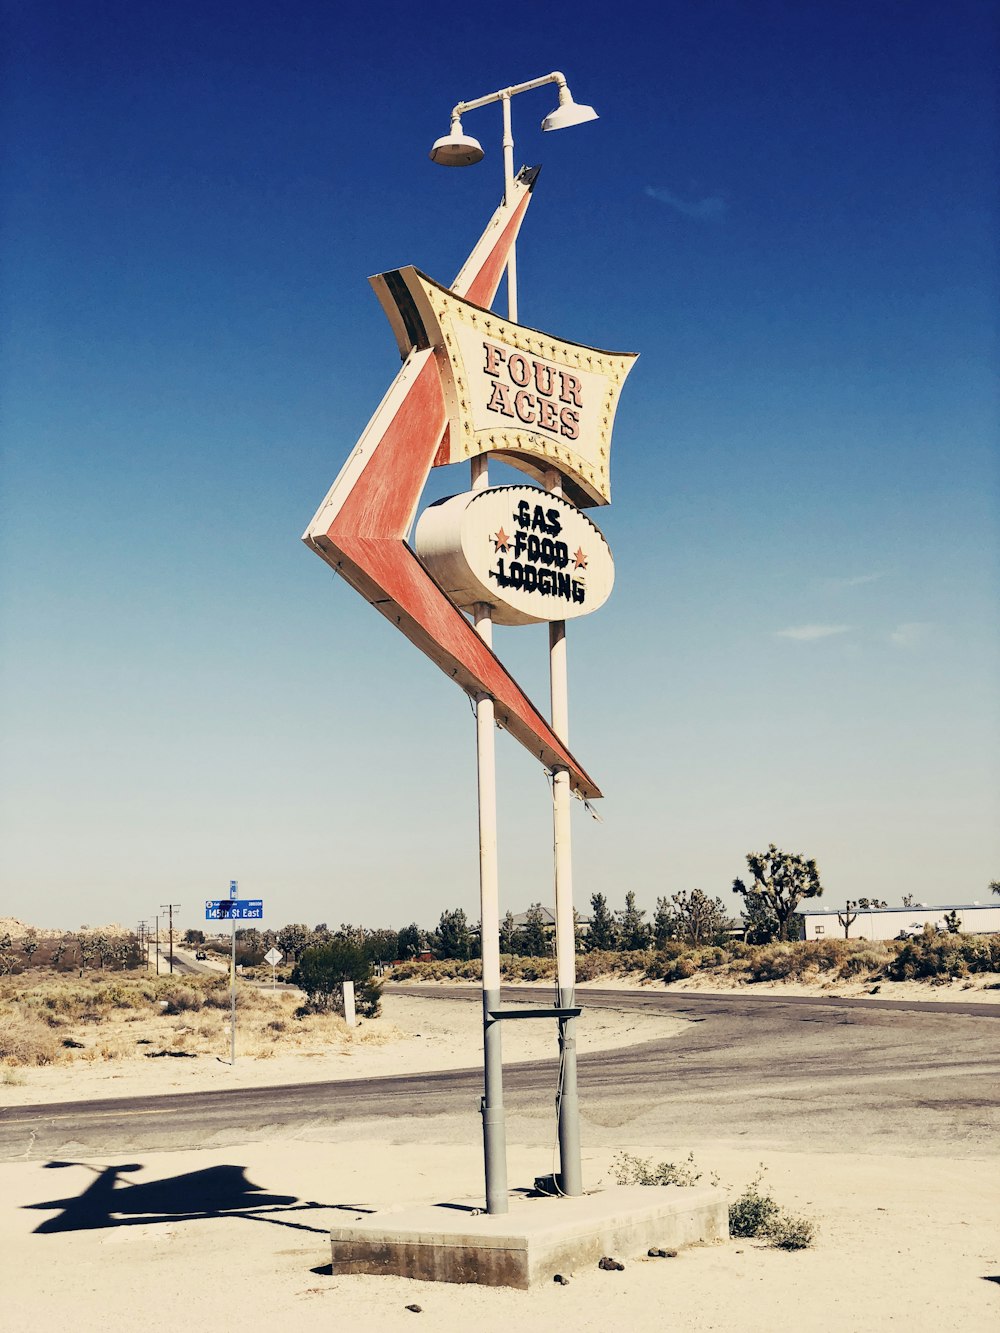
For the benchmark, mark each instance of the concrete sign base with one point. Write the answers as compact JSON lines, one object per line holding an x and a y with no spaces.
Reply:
{"x":538,"y":1238}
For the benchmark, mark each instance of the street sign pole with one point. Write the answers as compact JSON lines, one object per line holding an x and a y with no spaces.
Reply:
{"x":274,"y":958}
{"x":233,"y":890}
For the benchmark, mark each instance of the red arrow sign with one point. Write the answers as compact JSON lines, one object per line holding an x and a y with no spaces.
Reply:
{"x":360,"y":529}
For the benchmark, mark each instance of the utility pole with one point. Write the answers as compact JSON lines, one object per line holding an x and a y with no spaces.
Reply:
{"x":144,"y":942}
{"x":157,"y":919}
{"x":169,"y":907}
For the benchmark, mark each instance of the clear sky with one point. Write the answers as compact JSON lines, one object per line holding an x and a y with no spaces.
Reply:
{"x":790,"y":211}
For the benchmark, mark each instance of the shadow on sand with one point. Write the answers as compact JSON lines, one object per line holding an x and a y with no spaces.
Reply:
{"x":218,"y":1191}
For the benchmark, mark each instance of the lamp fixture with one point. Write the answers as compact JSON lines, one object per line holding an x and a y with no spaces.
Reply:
{"x":568,"y":112}
{"x":458,"y":149}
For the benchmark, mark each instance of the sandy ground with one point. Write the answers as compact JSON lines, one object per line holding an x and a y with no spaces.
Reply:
{"x":904,"y":1242}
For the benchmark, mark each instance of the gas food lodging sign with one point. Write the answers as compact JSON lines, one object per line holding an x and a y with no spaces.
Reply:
{"x":526,"y":553}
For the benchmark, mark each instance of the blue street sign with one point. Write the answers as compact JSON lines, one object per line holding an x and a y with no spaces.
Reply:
{"x":233,"y":888}
{"x":234,"y":909}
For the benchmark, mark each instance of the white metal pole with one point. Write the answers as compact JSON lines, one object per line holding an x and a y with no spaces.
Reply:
{"x":494,"y":1122}
{"x":508,"y":186}
{"x":494,"y":1127}
{"x":571,"y":1177}
{"x":232,"y":999}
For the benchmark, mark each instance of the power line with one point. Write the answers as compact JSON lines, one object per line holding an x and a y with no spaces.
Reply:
{"x":169,"y":907}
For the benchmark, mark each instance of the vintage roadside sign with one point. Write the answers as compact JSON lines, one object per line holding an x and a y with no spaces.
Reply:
{"x":234,"y":909}
{"x":535,"y":399}
{"x":527,"y":554}
{"x":473,"y":383}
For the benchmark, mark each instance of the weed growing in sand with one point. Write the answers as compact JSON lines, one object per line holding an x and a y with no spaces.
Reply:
{"x":754,"y":1213}
{"x":630,"y":1170}
{"x":790,"y":1231}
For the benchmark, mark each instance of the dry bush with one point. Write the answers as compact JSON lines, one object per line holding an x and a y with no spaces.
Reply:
{"x":866,"y":964}
{"x":612,"y":963}
{"x":941,"y":954}
{"x":755,"y":1213}
{"x":27,"y":1040}
{"x":116,"y":1048}
{"x":183,"y":1000}
{"x":515,"y":968}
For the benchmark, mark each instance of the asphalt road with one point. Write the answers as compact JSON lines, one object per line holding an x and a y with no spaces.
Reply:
{"x":873,"y":1076}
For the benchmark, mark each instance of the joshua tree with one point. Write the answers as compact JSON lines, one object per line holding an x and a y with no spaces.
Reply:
{"x":847,"y":918}
{"x":780,"y":881}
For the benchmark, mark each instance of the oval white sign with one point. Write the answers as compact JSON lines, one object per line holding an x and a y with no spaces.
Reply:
{"x":528,"y":554}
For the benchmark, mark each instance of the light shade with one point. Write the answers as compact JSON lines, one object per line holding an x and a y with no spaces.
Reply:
{"x":457,"y":150}
{"x":568,"y":113}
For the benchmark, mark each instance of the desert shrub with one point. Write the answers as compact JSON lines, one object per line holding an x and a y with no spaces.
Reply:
{"x":367,"y":998}
{"x":25,"y":1039}
{"x":182,"y":1000}
{"x":600,"y":963}
{"x":630,"y":1170}
{"x":939,"y":954}
{"x":675,"y":961}
{"x":790,"y":1231}
{"x":827,"y":955}
{"x":531,"y":969}
{"x":755,"y":1213}
{"x":438,"y":969}
{"x":680,"y":969}
{"x":215,"y":993}
{"x":632,"y":960}
{"x":800,"y":959}
{"x":64,"y":1001}
{"x":323,"y":968}
{"x":118,"y":995}
{"x":752,"y":1212}
{"x":864,"y":963}
{"x":775,"y":962}
{"x":670,"y":950}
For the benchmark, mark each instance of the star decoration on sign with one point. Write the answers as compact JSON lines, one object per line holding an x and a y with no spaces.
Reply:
{"x":501,"y":542}
{"x":579,"y":559}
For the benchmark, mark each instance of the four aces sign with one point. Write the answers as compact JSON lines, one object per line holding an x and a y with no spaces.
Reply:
{"x":535,"y":400}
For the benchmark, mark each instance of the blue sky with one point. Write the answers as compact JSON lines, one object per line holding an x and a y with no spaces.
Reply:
{"x":790,"y":211}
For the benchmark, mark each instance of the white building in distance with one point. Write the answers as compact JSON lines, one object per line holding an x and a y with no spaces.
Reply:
{"x":888,"y":923}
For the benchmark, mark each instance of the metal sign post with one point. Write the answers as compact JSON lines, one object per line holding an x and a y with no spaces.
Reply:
{"x":233,"y":890}
{"x":233,"y":909}
{"x":571,"y":1170}
{"x":274,"y":958}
